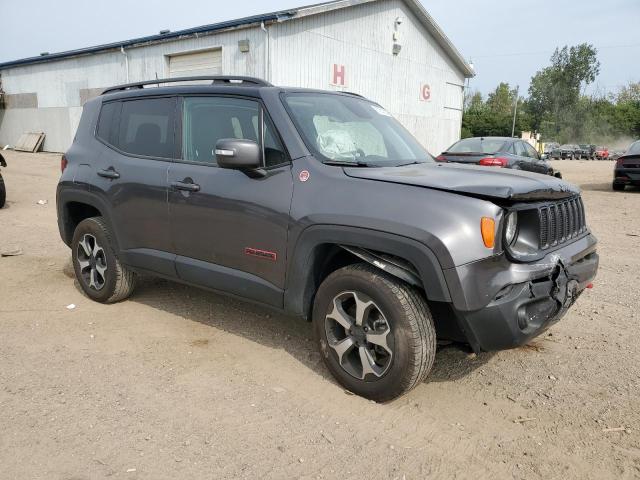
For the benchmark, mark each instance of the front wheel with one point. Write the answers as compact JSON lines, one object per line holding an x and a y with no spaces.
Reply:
{"x":98,"y":269}
{"x":618,"y":187}
{"x":375,"y":333}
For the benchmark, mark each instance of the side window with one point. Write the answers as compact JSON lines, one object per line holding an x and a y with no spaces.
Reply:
{"x":205,"y":120}
{"x":209,"y":119}
{"x":531,"y":152}
{"x":147,"y":127}
{"x":520,"y":150}
{"x":107,"y":129}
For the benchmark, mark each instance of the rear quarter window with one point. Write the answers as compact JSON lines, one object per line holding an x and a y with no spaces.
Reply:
{"x":108,"y":122}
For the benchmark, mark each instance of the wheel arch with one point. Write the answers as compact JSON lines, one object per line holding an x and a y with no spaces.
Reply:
{"x":76,"y":206}
{"x":322,"y":249}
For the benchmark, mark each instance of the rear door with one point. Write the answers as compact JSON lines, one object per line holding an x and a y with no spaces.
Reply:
{"x":537,"y":165}
{"x":523,"y":160}
{"x":229,"y":231}
{"x":131,"y":175}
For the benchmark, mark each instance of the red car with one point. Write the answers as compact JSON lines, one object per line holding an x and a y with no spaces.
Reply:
{"x":602,"y":153}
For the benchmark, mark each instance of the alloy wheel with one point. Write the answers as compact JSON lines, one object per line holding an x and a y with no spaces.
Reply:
{"x":92,"y":262}
{"x":359,"y":333}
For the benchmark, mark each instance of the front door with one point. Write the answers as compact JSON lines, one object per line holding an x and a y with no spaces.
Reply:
{"x":229,"y":230}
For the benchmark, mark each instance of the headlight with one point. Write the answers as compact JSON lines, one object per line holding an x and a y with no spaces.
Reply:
{"x":511,"y":228}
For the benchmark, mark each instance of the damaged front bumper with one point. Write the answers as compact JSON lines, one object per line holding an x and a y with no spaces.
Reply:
{"x":499,"y":304}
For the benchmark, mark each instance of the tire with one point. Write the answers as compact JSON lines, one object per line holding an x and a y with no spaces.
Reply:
{"x":95,"y":262}
{"x":3,"y":192}
{"x":618,"y":187}
{"x":402,"y":357}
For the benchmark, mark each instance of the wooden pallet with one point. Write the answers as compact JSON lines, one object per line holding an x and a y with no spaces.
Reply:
{"x":30,"y":142}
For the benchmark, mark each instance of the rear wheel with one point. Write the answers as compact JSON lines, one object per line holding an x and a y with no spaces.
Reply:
{"x":618,"y":187}
{"x":3,"y":192}
{"x":375,"y":332}
{"x":98,"y":270}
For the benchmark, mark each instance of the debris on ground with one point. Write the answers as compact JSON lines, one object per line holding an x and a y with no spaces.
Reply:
{"x":42,"y":202}
{"x":524,"y":420}
{"x":71,"y":306}
{"x":11,"y":253}
{"x":614,"y":429}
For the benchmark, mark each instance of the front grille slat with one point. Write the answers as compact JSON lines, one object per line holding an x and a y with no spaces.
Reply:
{"x":544,"y":227}
{"x":560,"y":222}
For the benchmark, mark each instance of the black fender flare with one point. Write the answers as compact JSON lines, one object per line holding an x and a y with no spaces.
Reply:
{"x":66,"y":196}
{"x":300,"y":284}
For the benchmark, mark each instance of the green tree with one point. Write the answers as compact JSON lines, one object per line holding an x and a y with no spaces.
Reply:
{"x":502,"y":99}
{"x":494,"y":116}
{"x":629,"y":93}
{"x":554,"y":92}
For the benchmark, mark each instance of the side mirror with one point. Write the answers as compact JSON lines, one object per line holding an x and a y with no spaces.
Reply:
{"x":238,"y":154}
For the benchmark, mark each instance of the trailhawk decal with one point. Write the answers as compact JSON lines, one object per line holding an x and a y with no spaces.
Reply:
{"x":256,"y":252}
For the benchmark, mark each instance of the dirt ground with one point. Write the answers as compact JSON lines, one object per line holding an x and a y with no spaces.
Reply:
{"x":179,"y":383}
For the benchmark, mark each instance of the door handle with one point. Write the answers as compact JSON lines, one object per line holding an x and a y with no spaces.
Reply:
{"x":187,"y":187}
{"x":109,"y":173}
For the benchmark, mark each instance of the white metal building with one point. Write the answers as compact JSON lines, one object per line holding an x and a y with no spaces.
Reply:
{"x":388,"y":50}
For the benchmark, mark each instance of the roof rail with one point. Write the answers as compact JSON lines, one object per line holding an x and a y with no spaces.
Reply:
{"x":215,"y":80}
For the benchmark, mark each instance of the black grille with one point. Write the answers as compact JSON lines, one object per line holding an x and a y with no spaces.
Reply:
{"x":561,"y":221}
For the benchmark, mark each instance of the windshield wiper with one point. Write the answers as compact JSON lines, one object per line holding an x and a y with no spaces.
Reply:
{"x":344,"y":163}
{"x":415,"y":162}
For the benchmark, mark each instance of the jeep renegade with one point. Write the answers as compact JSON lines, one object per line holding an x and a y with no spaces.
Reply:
{"x":321,"y":205}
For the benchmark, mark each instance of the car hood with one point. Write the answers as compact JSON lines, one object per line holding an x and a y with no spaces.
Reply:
{"x":486,"y":182}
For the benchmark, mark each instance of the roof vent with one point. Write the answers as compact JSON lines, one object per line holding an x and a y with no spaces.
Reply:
{"x":44,"y":54}
{"x":164,"y":32}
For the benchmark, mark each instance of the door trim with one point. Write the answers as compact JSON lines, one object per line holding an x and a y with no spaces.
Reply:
{"x":228,"y":280}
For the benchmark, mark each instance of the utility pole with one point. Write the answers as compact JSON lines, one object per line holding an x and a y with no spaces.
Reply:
{"x":515,"y":110}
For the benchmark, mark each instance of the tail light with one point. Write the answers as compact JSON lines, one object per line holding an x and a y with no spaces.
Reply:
{"x":441,"y":158}
{"x":63,"y":163}
{"x":494,"y":162}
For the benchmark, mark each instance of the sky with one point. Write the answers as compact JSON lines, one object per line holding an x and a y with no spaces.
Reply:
{"x":507,"y":40}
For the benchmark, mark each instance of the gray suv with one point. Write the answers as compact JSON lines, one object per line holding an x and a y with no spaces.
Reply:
{"x":320,"y":205}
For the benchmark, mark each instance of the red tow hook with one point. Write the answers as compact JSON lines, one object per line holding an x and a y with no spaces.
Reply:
{"x":590,"y":285}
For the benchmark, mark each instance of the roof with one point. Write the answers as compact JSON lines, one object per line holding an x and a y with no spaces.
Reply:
{"x":279,"y":16}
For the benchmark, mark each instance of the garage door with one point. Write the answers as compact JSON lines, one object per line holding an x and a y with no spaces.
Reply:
{"x":197,"y":63}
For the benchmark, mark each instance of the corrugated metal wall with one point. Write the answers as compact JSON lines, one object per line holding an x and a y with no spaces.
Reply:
{"x":59,"y":85}
{"x":360,"y":39}
{"x":302,"y":53}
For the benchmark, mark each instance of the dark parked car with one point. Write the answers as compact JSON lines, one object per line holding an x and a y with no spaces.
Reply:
{"x":3,"y":190}
{"x":587,"y":151}
{"x":550,"y":147}
{"x":627,"y":168}
{"x":320,"y":205}
{"x":569,"y":151}
{"x":502,"y":152}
